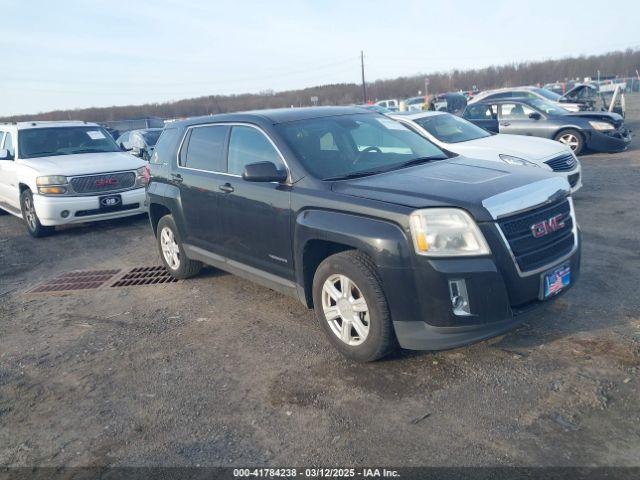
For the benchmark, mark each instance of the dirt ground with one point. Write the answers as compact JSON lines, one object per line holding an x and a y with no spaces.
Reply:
{"x":219,"y":371}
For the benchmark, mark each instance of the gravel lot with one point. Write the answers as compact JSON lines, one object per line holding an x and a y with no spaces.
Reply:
{"x":219,"y":371}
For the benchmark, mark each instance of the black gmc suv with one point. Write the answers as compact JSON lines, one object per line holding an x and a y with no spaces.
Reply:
{"x":390,"y":239}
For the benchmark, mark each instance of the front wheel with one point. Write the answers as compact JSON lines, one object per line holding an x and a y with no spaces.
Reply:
{"x":351,"y":307}
{"x":571,"y":138}
{"x":34,"y":227}
{"x":172,"y":251}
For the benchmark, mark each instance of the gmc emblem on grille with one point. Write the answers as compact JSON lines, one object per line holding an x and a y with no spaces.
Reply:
{"x":106,"y":182}
{"x":548,"y":226}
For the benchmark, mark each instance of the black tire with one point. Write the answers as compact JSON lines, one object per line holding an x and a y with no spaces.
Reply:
{"x":570,"y":132}
{"x":185,"y":267}
{"x":34,"y":227}
{"x":360,"y":269}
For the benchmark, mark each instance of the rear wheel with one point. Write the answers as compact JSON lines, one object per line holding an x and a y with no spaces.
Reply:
{"x":571,"y":138}
{"x":351,"y":307}
{"x":34,"y":227}
{"x":172,"y":252}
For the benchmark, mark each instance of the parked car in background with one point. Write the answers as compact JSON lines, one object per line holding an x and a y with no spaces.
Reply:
{"x":389,"y":239}
{"x":392,"y":104}
{"x":416,"y":104}
{"x":122,"y":126}
{"x":140,"y":142}
{"x":460,"y":136}
{"x":453,"y":102}
{"x":597,"y":131}
{"x":560,"y":87}
{"x":591,"y":98}
{"x":524,"y":92}
{"x":56,"y":173}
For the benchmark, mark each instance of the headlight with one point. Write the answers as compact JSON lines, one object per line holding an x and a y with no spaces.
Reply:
{"x":142,"y":176}
{"x":601,"y":126}
{"x":446,"y":232}
{"x":52,"y":185}
{"x":517,"y":161}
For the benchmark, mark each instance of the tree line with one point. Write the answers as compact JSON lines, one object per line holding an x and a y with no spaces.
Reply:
{"x":621,"y":63}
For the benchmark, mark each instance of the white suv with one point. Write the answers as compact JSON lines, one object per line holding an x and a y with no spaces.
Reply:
{"x":55,"y":173}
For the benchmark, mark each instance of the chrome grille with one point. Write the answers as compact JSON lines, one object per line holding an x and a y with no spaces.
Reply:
{"x":563,"y":163}
{"x":531,"y":252}
{"x":107,"y":182}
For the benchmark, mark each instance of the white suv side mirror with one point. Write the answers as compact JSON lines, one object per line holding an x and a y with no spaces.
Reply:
{"x":5,"y":155}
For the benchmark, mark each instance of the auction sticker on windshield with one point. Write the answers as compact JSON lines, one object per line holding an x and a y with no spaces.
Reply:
{"x":95,"y":134}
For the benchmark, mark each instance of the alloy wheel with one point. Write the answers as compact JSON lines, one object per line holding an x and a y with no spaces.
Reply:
{"x":170,"y":248}
{"x":30,"y":213}
{"x":345,"y":309}
{"x":569,"y":139}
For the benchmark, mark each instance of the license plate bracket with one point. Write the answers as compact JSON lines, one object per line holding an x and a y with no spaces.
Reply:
{"x":554,"y":281}
{"x":108,"y":202}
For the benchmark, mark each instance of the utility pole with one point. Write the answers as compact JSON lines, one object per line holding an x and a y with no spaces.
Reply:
{"x":364,"y":85}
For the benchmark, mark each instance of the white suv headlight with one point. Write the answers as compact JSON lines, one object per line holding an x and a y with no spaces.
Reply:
{"x":52,"y":185}
{"x":446,"y":232}
{"x":511,"y":160}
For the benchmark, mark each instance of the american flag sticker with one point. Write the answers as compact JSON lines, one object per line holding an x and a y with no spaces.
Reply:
{"x":555,"y":281}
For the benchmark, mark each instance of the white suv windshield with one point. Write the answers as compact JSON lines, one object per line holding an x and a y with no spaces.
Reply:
{"x":46,"y":142}
{"x":451,"y":129}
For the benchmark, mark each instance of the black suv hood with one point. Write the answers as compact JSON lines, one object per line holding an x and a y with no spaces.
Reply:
{"x":457,"y":182}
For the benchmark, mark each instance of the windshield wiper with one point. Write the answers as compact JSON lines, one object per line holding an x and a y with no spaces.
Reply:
{"x":87,"y":150}
{"x":417,"y":161}
{"x":362,"y":173}
{"x":43,"y":154}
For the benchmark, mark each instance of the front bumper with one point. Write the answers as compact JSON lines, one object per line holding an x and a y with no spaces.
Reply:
{"x":87,"y":208}
{"x":616,"y":141}
{"x":500,"y":298}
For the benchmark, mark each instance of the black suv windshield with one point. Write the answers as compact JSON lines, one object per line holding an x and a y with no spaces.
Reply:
{"x":451,"y":129}
{"x":345,"y":146}
{"x":45,"y":142}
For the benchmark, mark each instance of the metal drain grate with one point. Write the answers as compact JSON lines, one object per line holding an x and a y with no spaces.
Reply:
{"x":77,"y":280}
{"x":144,"y":276}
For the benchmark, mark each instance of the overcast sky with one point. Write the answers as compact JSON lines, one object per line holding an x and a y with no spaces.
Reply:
{"x":72,"y":53}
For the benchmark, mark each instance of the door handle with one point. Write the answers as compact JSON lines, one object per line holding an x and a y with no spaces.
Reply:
{"x":505,"y":124}
{"x":226,"y":188}
{"x":176,"y":177}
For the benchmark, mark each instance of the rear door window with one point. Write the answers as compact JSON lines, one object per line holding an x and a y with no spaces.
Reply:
{"x":205,"y":150}
{"x":479,"y":112}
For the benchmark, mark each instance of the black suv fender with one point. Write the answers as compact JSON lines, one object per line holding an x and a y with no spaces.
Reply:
{"x":321,"y":233}
{"x":164,"y":199}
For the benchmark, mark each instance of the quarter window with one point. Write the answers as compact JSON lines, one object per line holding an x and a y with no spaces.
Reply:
{"x":248,"y":145}
{"x":205,"y":150}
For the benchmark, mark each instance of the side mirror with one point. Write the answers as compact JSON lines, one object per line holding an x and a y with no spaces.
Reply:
{"x":535,"y":116}
{"x":5,"y":155}
{"x":263,"y":172}
{"x":125,"y":149}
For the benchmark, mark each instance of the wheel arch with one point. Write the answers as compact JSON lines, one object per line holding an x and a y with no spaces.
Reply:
{"x":321,"y":233}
